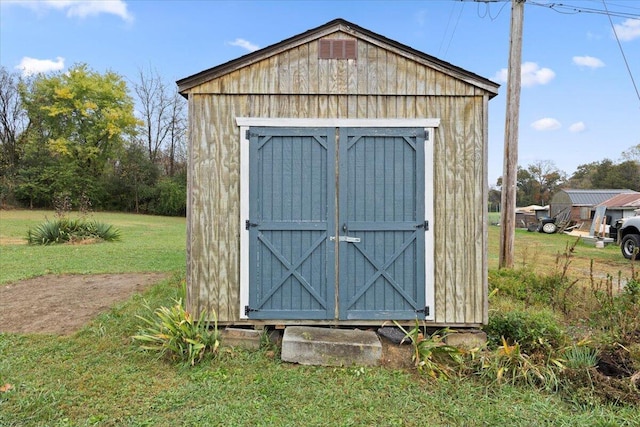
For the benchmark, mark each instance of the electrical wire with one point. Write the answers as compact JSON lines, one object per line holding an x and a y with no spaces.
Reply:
{"x":622,"y":52}
{"x":572,"y":10}
{"x":455,"y":27}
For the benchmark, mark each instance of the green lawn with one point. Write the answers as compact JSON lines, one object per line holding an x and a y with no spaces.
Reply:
{"x":148,"y":243}
{"x":98,"y":377}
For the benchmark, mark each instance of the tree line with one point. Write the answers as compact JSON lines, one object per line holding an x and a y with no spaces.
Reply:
{"x":89,"y":137}
{"x":538,"y":182}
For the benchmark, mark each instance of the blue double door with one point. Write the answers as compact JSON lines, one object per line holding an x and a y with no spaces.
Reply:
{"x":336,"y":223}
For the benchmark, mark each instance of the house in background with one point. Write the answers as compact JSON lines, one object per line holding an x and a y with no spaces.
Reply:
{"x":338,"y":178}
{"x":581,"y":204}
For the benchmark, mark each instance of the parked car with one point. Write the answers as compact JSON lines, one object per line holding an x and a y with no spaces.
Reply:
{"x":628,"y":235}
{"x":545,"y":225}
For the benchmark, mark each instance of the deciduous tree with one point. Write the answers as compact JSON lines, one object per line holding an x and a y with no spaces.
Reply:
{"x":82,"y":119}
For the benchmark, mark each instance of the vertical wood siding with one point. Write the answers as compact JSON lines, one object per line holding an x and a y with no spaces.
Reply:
{"x":379,"y":84}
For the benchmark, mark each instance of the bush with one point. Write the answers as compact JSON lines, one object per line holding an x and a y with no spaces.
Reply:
{"x":170,"y":199}
{"x":617,"y":314}
{"x":532,"y":330}
{"x":64,"y":230}
{"x":174,"y":333}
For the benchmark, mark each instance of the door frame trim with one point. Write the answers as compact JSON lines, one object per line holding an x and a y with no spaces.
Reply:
{"x":429,"y":124}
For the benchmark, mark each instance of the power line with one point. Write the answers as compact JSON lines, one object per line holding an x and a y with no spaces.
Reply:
{"x":572,"y":9}
{"x":622,"y":52}
{"x":568,"y":9}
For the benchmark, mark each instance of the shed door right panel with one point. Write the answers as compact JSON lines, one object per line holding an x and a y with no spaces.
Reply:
{"x":382,"y":270}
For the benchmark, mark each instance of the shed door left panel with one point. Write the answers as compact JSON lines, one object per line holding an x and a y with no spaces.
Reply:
{"x":292,"y":209}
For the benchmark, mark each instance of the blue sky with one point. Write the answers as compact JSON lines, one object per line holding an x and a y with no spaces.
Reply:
{"x":578,"y":103}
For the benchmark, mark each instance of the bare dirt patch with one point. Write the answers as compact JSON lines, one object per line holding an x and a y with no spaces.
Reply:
{"x":62,"y":304}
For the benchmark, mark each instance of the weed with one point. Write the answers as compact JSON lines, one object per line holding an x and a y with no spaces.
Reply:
{"x":431,"y":355}
{"x":174,"y":333}
{"x":580,"y":356}
{"x":532,"y":330}
{"x":508,"y":364}
{"x":616,"y":314}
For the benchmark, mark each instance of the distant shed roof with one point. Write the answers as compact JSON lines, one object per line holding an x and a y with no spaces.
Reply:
{"x":593,"y":197}
{"x":624,"y":201}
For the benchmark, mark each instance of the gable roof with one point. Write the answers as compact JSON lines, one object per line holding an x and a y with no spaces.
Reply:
{"x":593,"y":197}
{"x":623,"y":201}
{"x":187,"y":83}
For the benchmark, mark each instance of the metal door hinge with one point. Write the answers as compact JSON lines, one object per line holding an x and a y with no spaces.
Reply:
{"x":248,"y":310}
{"x":424,"y":310}
{"x":248,"y":224}
{"x":424,"y":225}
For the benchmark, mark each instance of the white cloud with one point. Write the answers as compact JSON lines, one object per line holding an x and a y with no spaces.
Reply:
{"x":628,"y":30}
{"x":245,"y":45}
{"x":588,"y":61}
{"x":546,"y":124}
{"x":577,"y":127}
{"x":533,"y":75}
{"x":78,"y":8}
{"x":30,"y":66}
{"x":530,"y":74}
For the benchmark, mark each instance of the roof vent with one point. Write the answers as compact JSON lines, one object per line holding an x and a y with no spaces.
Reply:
{"x":337,"y":49}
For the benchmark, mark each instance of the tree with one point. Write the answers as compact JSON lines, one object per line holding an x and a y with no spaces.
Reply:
{"x":82,"y":119}
{"x":538,"y":183}
{"x":163,"y":121}
{"x":13,"y":122}
{"x":608,"y":174}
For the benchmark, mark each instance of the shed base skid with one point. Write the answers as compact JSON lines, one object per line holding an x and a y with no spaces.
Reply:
{"x":367,"y":324}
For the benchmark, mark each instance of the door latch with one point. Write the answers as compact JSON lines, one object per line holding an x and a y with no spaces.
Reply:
{"x":347,"y":239}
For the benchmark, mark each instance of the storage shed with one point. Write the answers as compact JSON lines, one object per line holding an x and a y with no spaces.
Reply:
{"x":581,"y":203}
{"x":337,"y":178}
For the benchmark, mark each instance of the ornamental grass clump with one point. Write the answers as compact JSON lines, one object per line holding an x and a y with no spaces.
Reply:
{"x":65,"y":230}
{"x":173,"y":333}
{"x":431,"y":355}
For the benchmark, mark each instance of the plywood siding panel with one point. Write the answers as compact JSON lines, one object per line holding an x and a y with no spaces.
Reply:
{"x":421,"y":80}
{"x":391,"y":74}
{"x":273,"y":75}
{"x":324,"y":71}
{"x":410,"y":107}
{"x":450,"y":207}
{"x":284,"y":77}
{"x":440,"y":213}
{"x":376,"y":71}
{"x":362,"y":76}
{"x":482,"y":292}
{"x":302,"y":77}
{"x":469,"y":186}
{"x":405,"y":68}
{"x":313,"y":67}
{"x":371,"y":69}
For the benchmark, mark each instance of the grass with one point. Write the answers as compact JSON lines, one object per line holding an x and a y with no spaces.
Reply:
{"x":148,"y":243}
{"x":99,"y":377}
{"x":533,"y":249}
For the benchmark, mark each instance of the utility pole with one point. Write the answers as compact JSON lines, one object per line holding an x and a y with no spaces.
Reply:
{"x":510,"y":171}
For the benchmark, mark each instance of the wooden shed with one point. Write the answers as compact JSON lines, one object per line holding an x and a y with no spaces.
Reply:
{"x":337,"y":178}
